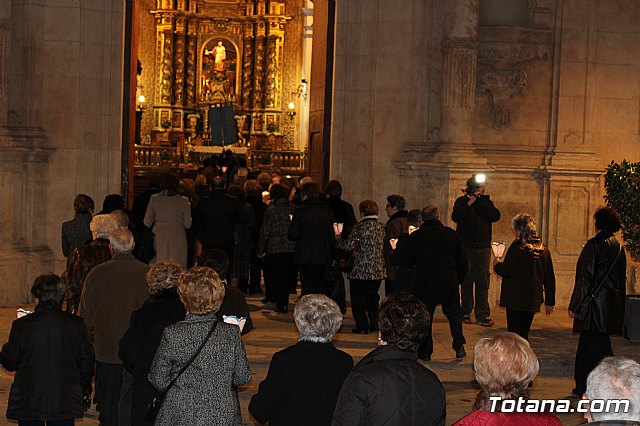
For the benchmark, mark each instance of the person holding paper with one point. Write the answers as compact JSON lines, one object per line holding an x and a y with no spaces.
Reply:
{"x":527,"y":277}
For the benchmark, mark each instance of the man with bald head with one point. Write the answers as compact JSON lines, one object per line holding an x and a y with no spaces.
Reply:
{"x":112,"y":290}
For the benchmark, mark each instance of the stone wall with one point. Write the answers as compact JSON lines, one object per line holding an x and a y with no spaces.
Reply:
{"x":555,"y":101}
{"x":62,"y":133}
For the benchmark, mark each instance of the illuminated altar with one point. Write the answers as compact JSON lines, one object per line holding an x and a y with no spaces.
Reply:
{"x":218,"y":77}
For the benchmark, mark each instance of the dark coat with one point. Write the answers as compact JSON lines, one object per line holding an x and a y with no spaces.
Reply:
{"x":438,"y":255}
{"x":342,"y":213}
{"x":75,"y":233}
{"x":275,"y":226}
{"x":140,"y":342}
{"x":396,"y":225}
{"x":302,"y":385}
{"x":606,"y":313}
{"x":216,"y":217}
{"x":259,"y":210}
{"x":53,"y":359}
{"x":474,"y":221}
{"x":113,"y":290}
{"x":389,"y":387}
{"x":528,"y":279}
{"x":405,"y":275}
{"x":235,"y":303}
{"x":312,"y":230}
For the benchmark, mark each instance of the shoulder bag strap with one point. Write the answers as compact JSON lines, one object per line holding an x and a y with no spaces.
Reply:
{"x":604,"y":278}
{"x":195,"y":355}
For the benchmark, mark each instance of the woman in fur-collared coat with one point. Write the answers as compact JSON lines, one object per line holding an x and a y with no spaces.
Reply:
{"x":367,"y":238}
{"x":206,"y":393}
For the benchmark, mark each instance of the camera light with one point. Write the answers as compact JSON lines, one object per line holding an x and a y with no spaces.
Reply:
{"x":480,"y":178}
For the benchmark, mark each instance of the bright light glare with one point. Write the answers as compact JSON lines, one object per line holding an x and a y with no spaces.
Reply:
{"x":141,"y":99}
{"x":292,"y":105}
{"x":481,"y":178}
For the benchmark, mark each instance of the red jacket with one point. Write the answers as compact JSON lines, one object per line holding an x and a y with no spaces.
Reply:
{"x":486,"y":418}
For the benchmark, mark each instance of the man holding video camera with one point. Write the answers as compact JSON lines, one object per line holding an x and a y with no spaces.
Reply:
{"x":474,"y":214}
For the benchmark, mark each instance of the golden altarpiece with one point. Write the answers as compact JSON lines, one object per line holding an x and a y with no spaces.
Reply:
{"x":212,"y":56}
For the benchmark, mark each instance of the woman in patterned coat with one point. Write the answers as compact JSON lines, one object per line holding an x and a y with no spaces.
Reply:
{"x":206,"y":393}
{"x":367,"y":238}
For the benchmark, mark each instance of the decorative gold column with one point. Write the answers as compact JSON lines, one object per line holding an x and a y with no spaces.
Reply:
{"x":164,"y":55}
{"x":179,"y":62}
{"x":192,"y":38}
{"x":258,"y":86}
{"x":247,"y":68}
{"x":460,"y":50}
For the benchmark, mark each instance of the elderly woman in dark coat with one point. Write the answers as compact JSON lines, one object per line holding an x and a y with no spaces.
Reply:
{"x":206,"y":393}
{"x":389,"y":386}
{"x":141,"y":340}
{"x":527,"y":277}
{"x":598,"y":295}
{"x":53,"y":359}
{"x":304,"y":380}
{"x":367,"y":239}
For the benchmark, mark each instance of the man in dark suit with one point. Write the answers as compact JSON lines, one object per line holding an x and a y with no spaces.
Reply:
{"x":312,"y":230}
{"x":216,"y":217}
{"x":438,"y":255}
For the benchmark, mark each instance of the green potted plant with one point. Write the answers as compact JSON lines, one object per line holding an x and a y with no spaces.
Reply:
{"x":622,"y":192}
{"x":272,"y":128}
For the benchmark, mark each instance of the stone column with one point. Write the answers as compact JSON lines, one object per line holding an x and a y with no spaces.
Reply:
{"x":5,"y":47}
{"x":460,"y":50}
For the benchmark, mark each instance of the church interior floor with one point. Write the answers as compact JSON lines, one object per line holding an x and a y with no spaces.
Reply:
{"x":550,"y":338}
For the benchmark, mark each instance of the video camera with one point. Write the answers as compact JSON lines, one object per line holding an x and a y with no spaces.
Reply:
{"x":473,"y":183}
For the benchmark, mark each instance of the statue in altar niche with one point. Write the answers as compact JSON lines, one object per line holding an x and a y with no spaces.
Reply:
{"x":218,"y":75}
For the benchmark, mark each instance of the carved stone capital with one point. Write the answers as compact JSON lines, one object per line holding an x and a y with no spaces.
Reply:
{"x":500,"y":85}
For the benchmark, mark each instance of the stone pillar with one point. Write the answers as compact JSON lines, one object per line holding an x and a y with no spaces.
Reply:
{"x":5,"y":44}
{"x":460,"y":50}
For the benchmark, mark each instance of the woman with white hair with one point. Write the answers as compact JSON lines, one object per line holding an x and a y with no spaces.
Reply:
{"x":504,"y":365}
{"x":304,"y":380}
{"x":86,"y":257}
{"x":527,"y":275}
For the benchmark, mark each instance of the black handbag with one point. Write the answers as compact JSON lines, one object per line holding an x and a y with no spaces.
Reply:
{"x":583,"y":308}
{"x":345,"y":264}
{"x":153,"y":408}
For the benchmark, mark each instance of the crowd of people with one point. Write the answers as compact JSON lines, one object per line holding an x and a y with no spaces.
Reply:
{"x":155,"y":305}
